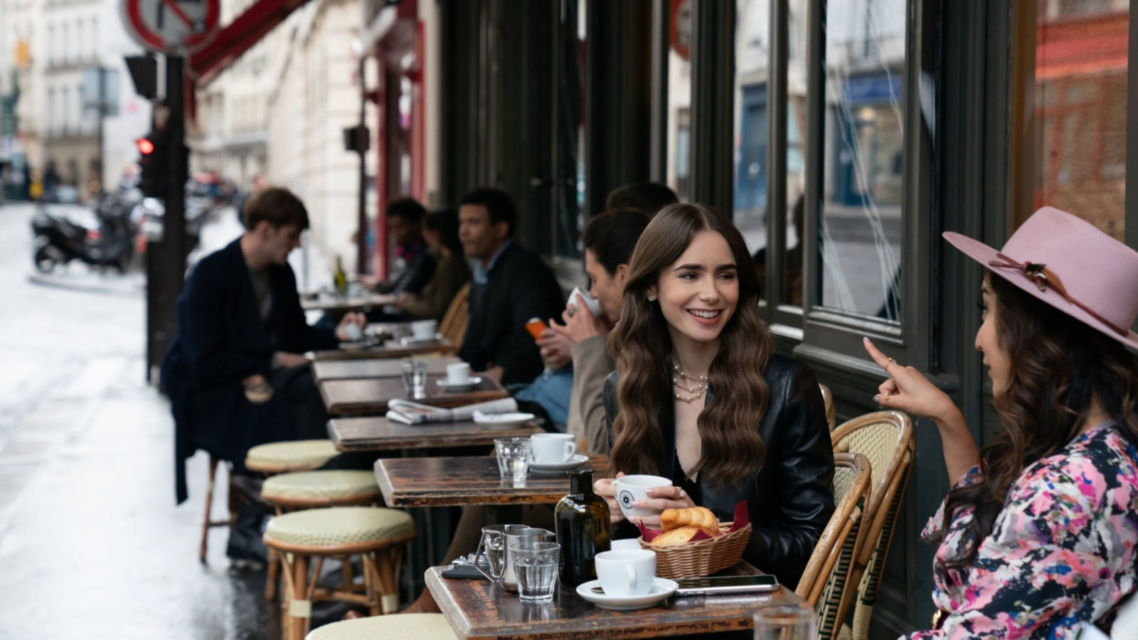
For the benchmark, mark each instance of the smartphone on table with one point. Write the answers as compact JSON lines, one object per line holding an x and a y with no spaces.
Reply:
{"x":712,"y":585}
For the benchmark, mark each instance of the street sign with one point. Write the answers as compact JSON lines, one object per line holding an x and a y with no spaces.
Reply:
{"x":171,"y":26}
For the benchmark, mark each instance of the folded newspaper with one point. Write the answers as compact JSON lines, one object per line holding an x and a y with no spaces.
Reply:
{"x":409,"y":412}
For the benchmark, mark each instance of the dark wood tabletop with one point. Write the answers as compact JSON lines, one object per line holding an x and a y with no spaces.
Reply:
{"x":330,"y":302}
{"x":481,"y":609}
{"x":369,"y":396}
{"x":446,"y":482}
{"x":374,"y":367}
{"x":381,"y":434}
{"x":387,"y":349}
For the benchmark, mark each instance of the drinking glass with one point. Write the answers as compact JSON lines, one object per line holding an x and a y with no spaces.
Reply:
{"x":786,"y":622}
{"x":415,"y":378}
{"x":535,"y":565}
{"x":513,"y":458}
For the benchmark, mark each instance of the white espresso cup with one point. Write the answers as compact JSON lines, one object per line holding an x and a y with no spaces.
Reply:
{"x":626,"y":573}
{"x":577,"y":295}
{"x":634,"y":488}
{"x":458,"y":372}
{"x":424,"y":329}
{"x":552,"y":447}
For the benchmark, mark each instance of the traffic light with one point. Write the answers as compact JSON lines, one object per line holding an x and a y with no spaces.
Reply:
{"x":152,"y":160}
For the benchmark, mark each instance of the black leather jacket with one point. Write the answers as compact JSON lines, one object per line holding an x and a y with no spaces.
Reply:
{"x":790,"y":498}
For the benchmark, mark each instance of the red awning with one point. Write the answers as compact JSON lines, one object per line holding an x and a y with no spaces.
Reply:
{"x":239,"y":36}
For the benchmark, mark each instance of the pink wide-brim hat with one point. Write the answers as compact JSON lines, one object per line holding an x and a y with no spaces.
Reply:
{"x":1068,"y":263}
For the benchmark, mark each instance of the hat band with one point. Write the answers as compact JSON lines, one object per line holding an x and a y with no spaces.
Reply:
{"x":1045,"y":278}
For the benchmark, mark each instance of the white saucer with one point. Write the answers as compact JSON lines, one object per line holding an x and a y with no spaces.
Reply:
{"x":502,"y":419}
{"x":558,"y":467}
{"x":661,"y":589}
{"x":407,"y":341}
{"x":469,"y":383}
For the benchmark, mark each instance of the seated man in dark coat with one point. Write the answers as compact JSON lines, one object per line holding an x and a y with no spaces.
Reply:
{"x":509,"y":286}
{"x":234,"y":371}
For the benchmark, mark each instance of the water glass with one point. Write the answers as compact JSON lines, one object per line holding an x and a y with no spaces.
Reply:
{"x":513,"y":458}
{"x":415,"y":378}
{"x":786,"y":622}
{"x":535,"y":565}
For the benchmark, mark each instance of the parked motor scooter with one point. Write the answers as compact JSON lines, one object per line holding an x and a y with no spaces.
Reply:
{"x":101,"y":238}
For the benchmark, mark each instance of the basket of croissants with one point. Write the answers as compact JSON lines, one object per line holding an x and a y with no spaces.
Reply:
{"x":694,"y":543}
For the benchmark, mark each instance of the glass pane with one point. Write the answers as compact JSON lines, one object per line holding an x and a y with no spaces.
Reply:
{"x":752,"y":47}
{"x":862,"y":157}
{"x":679,"y":101}
{"x":1079,"y":158}
{"x":569,"y":187}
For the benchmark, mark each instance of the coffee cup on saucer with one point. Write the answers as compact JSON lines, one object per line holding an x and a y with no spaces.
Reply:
{"x":634,"y":488}
{"x":424,"y":329}
{"x":627,"y":572}
{"x":552,"y":448}
{"x":458,"y":373}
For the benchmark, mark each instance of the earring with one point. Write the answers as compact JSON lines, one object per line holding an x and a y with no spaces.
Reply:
{"x":651,"y":298}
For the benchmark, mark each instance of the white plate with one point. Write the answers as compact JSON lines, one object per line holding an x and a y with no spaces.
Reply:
{"x":558,"y":467}
{"x":502,"y":419}
{"x":407,"y":341}
{"x":661,"y":589}
{"x":469,"y":383}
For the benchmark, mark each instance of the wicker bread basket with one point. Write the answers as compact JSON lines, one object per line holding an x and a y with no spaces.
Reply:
{"x":703,"y":558}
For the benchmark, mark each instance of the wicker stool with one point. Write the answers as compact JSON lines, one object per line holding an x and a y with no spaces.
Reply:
{"x":374,"y":533}
{"x":295,"y":455}
{"x":311,"y":490}
{"x":405,"y":626}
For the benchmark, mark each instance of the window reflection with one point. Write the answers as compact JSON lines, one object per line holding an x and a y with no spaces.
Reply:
{"x":1079,"y":158}
{"x":752,"y":47}
{"x":679,"y":100}
{"x":862,"y":157}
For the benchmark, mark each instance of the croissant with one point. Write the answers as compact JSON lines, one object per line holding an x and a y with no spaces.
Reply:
{"x":699,"y":517}
{"x":677,"y":536}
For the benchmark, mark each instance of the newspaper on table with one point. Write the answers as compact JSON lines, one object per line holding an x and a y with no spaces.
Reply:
{"x":409,"y":412}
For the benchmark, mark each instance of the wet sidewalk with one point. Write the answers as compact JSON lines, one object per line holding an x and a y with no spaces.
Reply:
{"x":91,"y":543}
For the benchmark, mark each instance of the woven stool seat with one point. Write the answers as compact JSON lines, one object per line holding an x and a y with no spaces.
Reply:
{"x":405,"y":626}
{"x":315,"y":487}
{"x":296,"y":455}
{"x":338,"y":526}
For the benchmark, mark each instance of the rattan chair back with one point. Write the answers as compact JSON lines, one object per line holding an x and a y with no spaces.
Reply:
{"x":851,"y":484}
{"x":886,"y":439}
{"x":453,"y":325}
{"x":828,"y":400}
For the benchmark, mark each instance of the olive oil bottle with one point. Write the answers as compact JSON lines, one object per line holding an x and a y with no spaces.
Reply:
{"x":583,"y":529}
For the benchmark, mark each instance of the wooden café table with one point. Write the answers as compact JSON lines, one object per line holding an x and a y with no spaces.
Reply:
{"x":323,"y":301}
{"x":369,"y":396}
{"x":380,"y":434}
{"x":481,"y":609}
{"x":387,"y":349}
{"x":374,"y":367}
{"x":471,"y":480}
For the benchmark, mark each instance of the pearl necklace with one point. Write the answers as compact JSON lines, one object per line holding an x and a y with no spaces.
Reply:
{"x":695,"y":391}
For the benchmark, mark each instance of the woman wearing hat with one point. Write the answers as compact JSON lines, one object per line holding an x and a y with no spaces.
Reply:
{"x":1040,"y":529}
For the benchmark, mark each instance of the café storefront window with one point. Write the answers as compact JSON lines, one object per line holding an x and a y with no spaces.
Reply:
{"x":860,"y":221}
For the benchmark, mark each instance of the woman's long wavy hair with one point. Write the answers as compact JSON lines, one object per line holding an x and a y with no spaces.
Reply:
{"x":1057,"y":366}
{"x":738,"y":394}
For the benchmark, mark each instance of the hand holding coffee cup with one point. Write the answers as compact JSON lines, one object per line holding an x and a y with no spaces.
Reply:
{"x":577,"y":297}
{"x":627,"y":572}
{"x":552,"y":448}
{"x":641,"y":498}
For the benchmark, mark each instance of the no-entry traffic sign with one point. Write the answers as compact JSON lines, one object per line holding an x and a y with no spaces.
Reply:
{"x":171,"y":26}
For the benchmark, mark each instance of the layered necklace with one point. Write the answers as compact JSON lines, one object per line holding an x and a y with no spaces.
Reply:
{"x":692,"y":387}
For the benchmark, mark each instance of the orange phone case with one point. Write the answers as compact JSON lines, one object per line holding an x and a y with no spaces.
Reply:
{"x":535,"y":326}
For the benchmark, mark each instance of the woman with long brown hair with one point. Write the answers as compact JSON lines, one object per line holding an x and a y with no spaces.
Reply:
{"x":1039,"y":532}
{"x":699,"y":396}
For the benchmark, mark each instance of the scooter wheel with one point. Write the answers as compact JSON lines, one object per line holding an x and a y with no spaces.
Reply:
{"x":47,"y":258}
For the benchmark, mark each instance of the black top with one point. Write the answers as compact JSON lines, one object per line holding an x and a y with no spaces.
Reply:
{"x":790,"y":497}
{"x":518,"y":287}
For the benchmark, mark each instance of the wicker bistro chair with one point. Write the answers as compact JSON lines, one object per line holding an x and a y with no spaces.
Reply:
{"x":453,"y":325}
{"x":886,"y":439}
{"x":823,"y":581}
{"x":405,"y":626}
{"x":376,"y":534}
{"x":828,"y":400}
{"x":311,"y":490}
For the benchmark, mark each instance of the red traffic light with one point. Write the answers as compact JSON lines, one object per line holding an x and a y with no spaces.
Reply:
{"x":145,"y":146}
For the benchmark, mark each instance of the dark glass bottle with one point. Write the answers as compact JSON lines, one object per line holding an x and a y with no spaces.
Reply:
{"x":583,"y":529}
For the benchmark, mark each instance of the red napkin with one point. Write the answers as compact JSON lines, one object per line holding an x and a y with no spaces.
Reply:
{"x":741,"y":520}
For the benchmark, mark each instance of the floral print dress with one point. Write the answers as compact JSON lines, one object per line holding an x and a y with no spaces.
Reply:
{"x":1061,"y":551}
